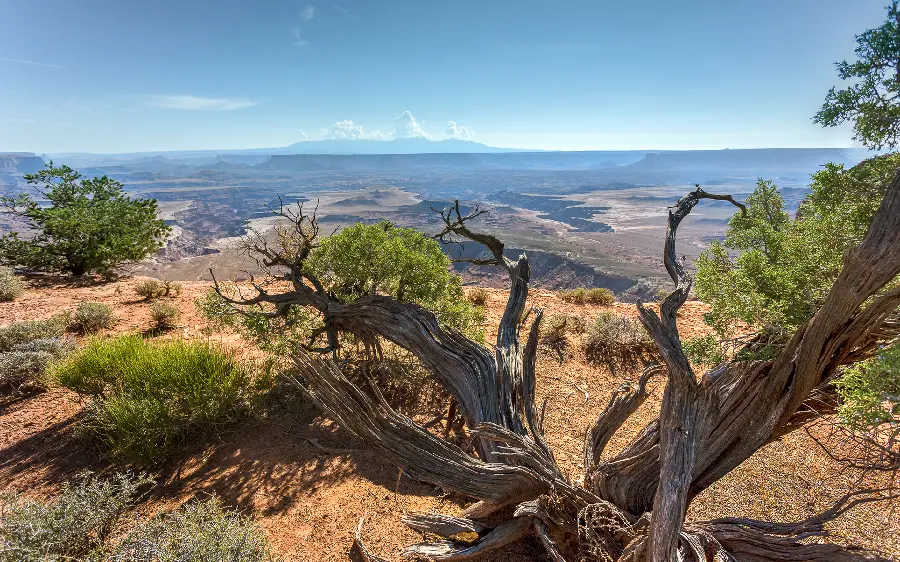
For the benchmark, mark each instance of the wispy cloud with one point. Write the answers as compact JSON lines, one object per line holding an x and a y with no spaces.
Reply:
{"x":458,"y":131}
{"x":308,"y":13}
{"x":195,"y":103}
{"x":348,"y":130}
{"x":298,"y":41}
{"x":344,"y":11}
{"x":29,"y":62}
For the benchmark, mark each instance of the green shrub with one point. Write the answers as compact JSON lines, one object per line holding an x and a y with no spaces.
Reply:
{"x":870,"y":391}
{"x":477,"y":296}
{"x":11,"y":287}
{"x":164,"y":316}
{"x":81,"y":225}
{"x":26,"y":363}
{"x":617,"y":341}
{"x":18,"y":333}
{"x":73,"y":526}
{"x":151,"y":289}
{"x":149,"y":398}
{"x":197,"y":532}
{"x":91,"y":317}
{"x":704,"y":350}
{"x":581,"y":295}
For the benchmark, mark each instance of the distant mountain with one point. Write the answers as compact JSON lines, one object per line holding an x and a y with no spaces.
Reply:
{"x":761,"y":161}
{"x":412,"y":145}
{"x":18,"y":163}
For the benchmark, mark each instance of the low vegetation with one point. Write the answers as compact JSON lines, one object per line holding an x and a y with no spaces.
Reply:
{"x":617,"y":341}
{"x":147,"y":399}
{"x":705,"y":350}
{"x":72,"y":526}
{"x":151,"y":289}
{"x":581,"y":295}
{"x":91,"y":317}
{"x":28,"y":348}
{"x":197,"y":532}
{"x":164,"y":316}
{"x":556,"y":329}
{"x":477,"y":296}
{"x":11,"y":287}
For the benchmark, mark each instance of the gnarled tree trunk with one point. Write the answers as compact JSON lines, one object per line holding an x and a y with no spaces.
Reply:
{"x":632,"y":506}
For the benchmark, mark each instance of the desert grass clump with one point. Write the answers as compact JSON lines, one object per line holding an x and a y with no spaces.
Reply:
{"x":555,"y":331}
{"x":617,"y":341}
{"x":147,"y":399}
{"x":581,"y":295}
{"x":151,"y":289}
{"x":91,"y":317}
{"x":72,"y":526}
{"x":196,"y":532}
{"x":11,"y":287}
{"x":477,"y":296}
{"x":164,"y":316}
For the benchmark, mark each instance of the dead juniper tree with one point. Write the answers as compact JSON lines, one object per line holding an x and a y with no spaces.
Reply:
{"x":631,"y":505}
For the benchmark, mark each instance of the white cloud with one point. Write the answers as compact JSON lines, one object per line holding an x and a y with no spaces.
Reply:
{"x":303,"y":134}
{"x":406,"y":126}
{"x":309,"y":12}
{"x":195,"y":103}
{"x":458,"y":131}
{"x":349,"y":130}
{"x":344,"y":11}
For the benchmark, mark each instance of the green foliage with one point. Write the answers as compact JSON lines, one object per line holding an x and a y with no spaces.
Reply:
{"x":870,"y":102}
{"x":400,"y":262}
{"x":197,"y":532}
{"x":72,"y":526}
{"x":91,"y":317}
{"x":90,"y":225}
{"x":617,"y":341}
{"x":870,"y":391}
{"x":164,"y":316}
{"x":785,"y":267}
{"x":581,"y":295}
{"x":360,"y":260}
{"x":704,"y":350}
{"x":148,"y":399}
{"x":151,"y":289}
{"x":11,"y":287}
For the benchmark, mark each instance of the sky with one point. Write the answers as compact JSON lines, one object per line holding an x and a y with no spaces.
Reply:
{"x":122,"y":76}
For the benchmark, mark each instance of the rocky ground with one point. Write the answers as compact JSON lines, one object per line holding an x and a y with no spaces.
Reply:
{"x":308,"y":482}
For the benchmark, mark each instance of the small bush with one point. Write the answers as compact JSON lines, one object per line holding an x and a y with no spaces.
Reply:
{"x":164,"y":316}
{"x":617,"y":341}
{"x":148,"y":399}
{"x":72,"y":526}
{"x":704,"y":350}
{"x":555,"y":331}
{"x":11,"y":287}
{"x":91,"y":317}
{"x":581,"y":295}
{"x":151,"y":289}
{"x":197,"y":532}
{"x":18,"y":333}
{"x":25,"y":364}
{"x":477,"y":296}
{"x":870,"y":392}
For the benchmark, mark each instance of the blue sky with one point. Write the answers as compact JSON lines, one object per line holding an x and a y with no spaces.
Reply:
{"x":117,"y":76}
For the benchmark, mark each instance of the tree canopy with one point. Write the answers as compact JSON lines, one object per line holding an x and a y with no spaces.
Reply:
{"x":88,"y":225}
{"x":872,"y":101}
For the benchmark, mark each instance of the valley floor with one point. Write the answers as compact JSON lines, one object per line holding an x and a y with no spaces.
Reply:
{"x":308,"y":482}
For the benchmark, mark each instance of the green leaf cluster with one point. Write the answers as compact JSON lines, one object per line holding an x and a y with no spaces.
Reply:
{"x":84,"y":226}
{"x":871,"y":101}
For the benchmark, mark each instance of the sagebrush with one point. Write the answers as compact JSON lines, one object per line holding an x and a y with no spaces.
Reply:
{"x":91,"y":317}
{"x":617,"y":341}
{"x":11,"y":287}
{"x":581,"y":295}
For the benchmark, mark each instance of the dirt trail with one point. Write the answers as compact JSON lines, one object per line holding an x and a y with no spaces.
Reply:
{"x":308,"y":482}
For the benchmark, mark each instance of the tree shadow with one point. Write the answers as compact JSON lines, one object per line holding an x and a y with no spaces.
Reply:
{"x":58,"y":281}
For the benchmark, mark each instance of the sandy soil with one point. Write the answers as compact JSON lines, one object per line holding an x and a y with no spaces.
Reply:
{"x":308,"y":482}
